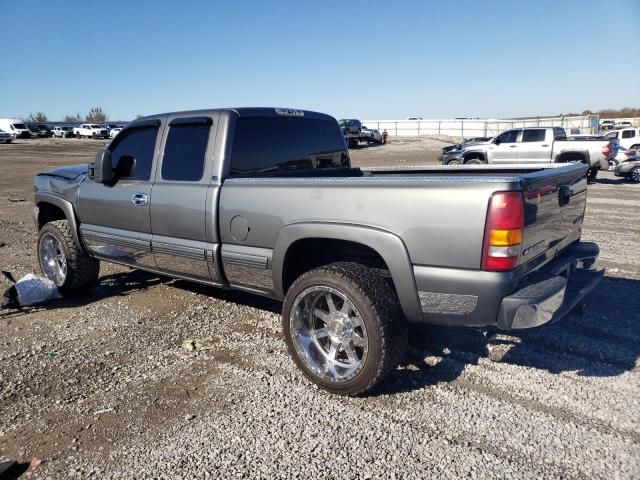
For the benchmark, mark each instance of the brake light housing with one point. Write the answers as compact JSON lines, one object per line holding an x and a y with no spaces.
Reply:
{"x":503,"y":232}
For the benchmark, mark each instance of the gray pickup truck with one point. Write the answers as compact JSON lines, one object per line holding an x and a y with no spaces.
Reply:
{"x":266,"y":201}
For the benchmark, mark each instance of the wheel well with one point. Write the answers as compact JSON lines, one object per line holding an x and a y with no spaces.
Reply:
{"x":472,"y":156}
{"x":310,"y":253}
{"x":48,"y":212}
{"x":571,"y":157}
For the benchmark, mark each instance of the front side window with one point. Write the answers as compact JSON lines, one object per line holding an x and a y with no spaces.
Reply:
{"x":612,"y":135}
{"x":532,"y":135}
{"x":184,"y":152}
{"x":272,"y":145}
{"x":508,"y":137}
{"x":628,"y":134}
{"x":132,"y":152}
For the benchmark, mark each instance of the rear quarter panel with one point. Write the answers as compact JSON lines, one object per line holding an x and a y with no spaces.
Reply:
{"x":439,"y":219}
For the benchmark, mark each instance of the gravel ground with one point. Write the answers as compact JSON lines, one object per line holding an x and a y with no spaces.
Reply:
{"x":101,"y":385}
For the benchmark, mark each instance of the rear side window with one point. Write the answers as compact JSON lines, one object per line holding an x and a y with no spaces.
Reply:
{"x":184,"y":152}
{"x":628,"y":133}
{"x":508,"y":137}
{"x":268,"y":145}
{"x":533,"y":135}
{"x":612,"y":135}
{"x":138,"y":144}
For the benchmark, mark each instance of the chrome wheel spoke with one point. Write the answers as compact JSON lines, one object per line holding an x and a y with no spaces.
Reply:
{"x":321,"y":333}
{"x":351,"y":353}
{"x":330,"y":304}
{"x":357,"y":340}
{"x":321,"y":315}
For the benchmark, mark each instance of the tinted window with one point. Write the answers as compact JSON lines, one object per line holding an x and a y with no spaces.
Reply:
{"x":184,"y":152}
{"x":628,"y":134}
{"x":273,"y":144}
{"x":138,"y":143}
{"x":508,"y":137}
{"x":533,"y":135}
{"x":612,"y":135}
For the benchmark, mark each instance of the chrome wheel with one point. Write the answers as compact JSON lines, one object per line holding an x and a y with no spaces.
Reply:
{"x":328,"y":333}
{"x":453,"y":162}
{"x":635,"y":175}
{"x":53,"y":259}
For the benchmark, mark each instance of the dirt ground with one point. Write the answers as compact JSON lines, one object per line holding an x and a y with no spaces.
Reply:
{"x":100,"y":385}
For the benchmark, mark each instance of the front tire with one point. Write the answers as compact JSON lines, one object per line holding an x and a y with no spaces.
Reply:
{"x":63,"y":261}
{"x":474,"y":161}
{"x":343,"y":327}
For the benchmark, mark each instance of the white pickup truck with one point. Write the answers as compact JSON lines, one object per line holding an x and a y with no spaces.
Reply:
{"x":542,"y":145}
{"x":91,"y":130}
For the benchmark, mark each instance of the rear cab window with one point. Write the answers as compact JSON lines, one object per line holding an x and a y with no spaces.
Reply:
{"x":628,"y":133}
{"x":275,"y":145}
{"x":533,"y":135}
{"x":185,"y":149}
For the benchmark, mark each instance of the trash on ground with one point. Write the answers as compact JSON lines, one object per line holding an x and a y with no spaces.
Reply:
{"x":34,"y":290}
{"x":204,"y":343}
{"x":34,"y":462}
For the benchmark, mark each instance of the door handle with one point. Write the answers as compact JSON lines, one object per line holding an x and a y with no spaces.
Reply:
{"x":545,"y":145}
{"x":512,"y":146}
{"x":139,"y":199}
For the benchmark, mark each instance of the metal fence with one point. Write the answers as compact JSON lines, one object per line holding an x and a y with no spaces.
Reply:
{"x":466,"y":128}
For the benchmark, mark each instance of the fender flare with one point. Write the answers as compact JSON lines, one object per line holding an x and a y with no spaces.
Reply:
{"x":388,"y":245}
{"x":64,"y":205}
{"x":474,"y":154}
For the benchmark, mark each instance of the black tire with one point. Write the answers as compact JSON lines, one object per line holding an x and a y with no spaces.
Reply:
{"x":94,"y":136}
{"x":82,"y":269}
{"x":634,"y":175}
{"x":474,"y":161}
{"x":379,"y":310}
{"x":453,"y":161}
{"x":592,"y":173}
{"x":78,"y":136}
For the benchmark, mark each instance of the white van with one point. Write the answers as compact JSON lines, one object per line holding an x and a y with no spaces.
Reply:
{"x":15,"y":127}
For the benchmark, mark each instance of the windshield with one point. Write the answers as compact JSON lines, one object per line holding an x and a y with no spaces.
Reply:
{"x":19,"y":126}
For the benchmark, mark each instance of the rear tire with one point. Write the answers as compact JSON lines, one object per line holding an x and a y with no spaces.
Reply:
{"x":63,"y":261}
{"x":350,"y":346}
{"x":592,"y":173}
{"x":634,"y":175}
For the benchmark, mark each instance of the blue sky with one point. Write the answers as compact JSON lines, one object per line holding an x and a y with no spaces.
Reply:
{"x":369,"y":60}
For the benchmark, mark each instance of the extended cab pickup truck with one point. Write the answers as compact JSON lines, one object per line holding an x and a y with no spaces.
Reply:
{"x":541,"y":145}
{"x":266,"y":201}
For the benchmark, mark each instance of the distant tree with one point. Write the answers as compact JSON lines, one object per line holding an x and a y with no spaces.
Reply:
{"x":38,"y":117}
{"x":139,"y":116}
{"x":96,"y":115}
{"x":76,"y":117}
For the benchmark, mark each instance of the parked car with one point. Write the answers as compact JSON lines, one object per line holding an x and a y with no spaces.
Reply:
{"x":114,"y":131}
{"x":266,"y":201}
{"x":623,"y":124}
{"x":414,"y":118}
{"x":452,"y":154}
{"x":62,"y":131}
{"x":91,"y":130}
{"x":629,"y":169}
{"x":45,"y":131}
{"x":350,"y":126}
{"x":622,"y":155}
{"x":607,"y":124}
{"x":627,"y":137}
{"x":372,"y":135}
{"x":5,"y":137}
{"x":542,"y":145}
{"x":16,"y":127}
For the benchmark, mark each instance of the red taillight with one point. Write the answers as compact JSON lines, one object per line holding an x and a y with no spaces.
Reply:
{"x":503,"y":232}
{"x":630,"y":153}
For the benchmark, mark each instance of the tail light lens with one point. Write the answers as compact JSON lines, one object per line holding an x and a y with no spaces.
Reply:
{"x":630,"y":153}
{"x":503,"y":232}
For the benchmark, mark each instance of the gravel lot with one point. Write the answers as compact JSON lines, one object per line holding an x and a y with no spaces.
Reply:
{"x":101,"y":385}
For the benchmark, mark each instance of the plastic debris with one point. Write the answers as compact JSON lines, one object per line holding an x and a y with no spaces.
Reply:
{"x":33,"y":290}
{"x":205,"y":343}
{"x":34,"y":462}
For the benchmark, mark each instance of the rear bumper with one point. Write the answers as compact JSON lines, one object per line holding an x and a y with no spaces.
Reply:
{"x":550,"y":295}
{"x":502,"y":299}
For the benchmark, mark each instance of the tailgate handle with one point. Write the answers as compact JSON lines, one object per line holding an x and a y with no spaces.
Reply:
{"x":564,"y":195}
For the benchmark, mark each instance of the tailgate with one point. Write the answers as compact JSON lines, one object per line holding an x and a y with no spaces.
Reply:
{"x":554,"y":204}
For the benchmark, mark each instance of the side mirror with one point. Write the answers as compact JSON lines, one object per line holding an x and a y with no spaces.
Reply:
{"x":101,"y":170}
{"x":496,"y":141}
